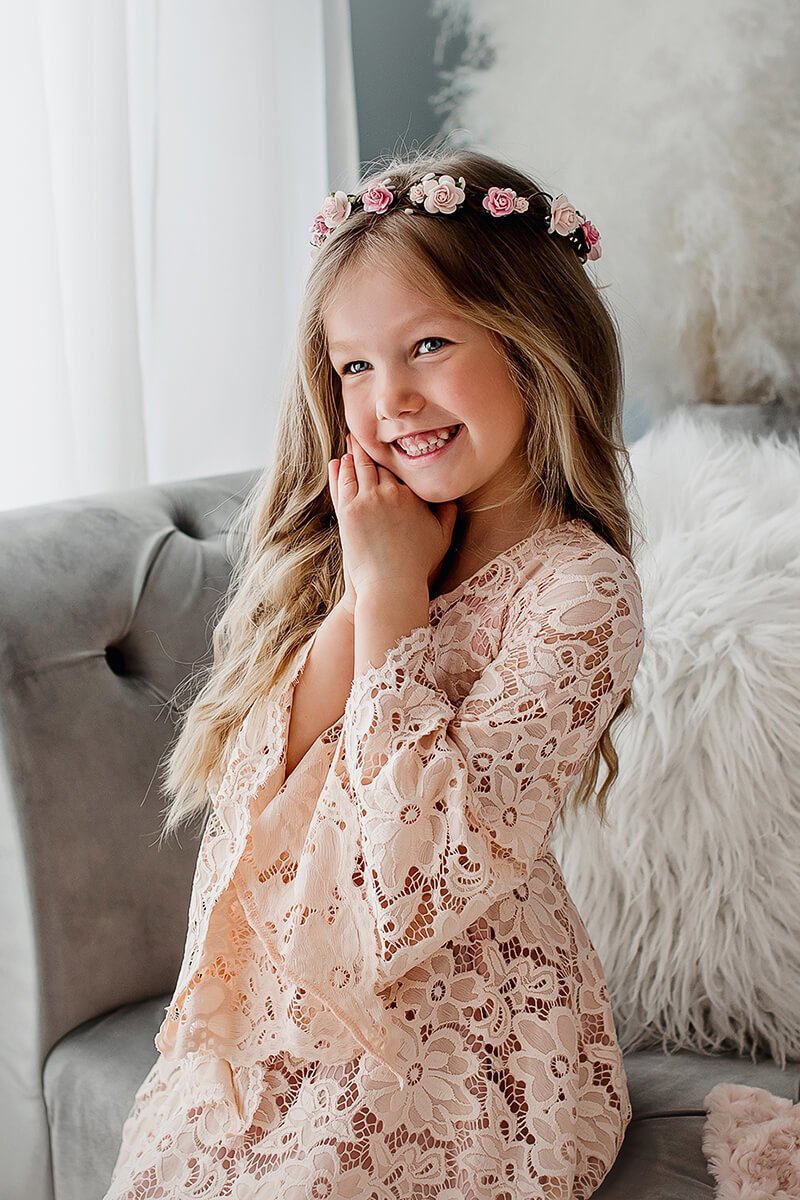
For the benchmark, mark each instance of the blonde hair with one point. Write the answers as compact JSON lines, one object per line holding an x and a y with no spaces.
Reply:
{"x":560,"y":341}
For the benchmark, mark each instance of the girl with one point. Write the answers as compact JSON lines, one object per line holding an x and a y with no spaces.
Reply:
{"x":387,"y":990}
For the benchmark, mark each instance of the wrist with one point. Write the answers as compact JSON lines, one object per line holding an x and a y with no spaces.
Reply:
{"x":389,"y":595}
{"x":409,"y":605}
{"x":384,"y":615}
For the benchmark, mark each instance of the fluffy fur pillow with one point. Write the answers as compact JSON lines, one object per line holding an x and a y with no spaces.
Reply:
{"x":691,"y":889}
{"x":751,"y":1139}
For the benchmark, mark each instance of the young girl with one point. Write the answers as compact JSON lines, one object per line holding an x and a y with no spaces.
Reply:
{"x":386,"y":990}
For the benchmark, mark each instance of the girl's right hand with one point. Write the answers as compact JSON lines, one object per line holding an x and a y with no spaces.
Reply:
{"x":347,"y":603}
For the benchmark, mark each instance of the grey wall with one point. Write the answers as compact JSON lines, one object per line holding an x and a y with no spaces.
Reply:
{"x":400,"y":63}
{"x":394,"y":44}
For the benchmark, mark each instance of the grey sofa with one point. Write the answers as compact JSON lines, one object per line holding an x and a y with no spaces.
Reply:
{"x":106,"y":603}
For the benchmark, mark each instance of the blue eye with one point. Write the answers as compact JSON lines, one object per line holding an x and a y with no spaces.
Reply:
{"x":346,"y":368}
{"x":433,"y":339}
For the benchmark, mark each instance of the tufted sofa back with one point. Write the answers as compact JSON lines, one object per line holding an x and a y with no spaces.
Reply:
{"x":106,"y":604}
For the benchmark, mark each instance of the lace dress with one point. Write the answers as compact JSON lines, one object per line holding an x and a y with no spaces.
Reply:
{"x":386,"y":990}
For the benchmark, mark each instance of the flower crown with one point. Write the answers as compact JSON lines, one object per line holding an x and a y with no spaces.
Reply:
{"x":441,"y":194}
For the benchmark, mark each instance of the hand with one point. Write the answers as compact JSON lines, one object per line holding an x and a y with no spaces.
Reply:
{"x":390,"y":537}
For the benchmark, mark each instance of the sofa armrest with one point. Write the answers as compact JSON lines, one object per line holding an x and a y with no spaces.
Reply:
{"x":107,"y":603}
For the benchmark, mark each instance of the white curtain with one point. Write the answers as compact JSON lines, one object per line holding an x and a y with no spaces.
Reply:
{"x":162,"y":162}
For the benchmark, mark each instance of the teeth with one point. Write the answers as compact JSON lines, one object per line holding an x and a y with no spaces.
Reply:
{"x":415,"y":446}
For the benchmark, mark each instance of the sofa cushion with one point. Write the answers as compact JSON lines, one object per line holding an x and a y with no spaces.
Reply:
{"x":672,"y":1084}
{"x":661,"y":1159}
{"x":90,"y":1079}
{"x":662,"y":1156}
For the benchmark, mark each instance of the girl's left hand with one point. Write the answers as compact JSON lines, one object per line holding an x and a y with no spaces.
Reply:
{"x":390,"y":537}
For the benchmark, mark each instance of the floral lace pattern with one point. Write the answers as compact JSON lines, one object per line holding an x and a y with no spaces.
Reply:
{"x":386,"y":989}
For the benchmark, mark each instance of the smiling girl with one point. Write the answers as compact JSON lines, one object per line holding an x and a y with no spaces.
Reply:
{"x":386,"y":989}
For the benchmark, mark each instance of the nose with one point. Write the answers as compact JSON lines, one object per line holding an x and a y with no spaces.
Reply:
{"x":395,"y":396}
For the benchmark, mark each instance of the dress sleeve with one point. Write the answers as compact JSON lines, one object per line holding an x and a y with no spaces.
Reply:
{"x":247,"y":779}
{"x":455,"y":803}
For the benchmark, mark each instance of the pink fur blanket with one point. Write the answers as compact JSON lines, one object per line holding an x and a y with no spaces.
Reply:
{"x":751,"y":1140}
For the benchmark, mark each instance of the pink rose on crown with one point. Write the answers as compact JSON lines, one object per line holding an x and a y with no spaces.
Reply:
{"x":320,"y":229}
{"x":563,"y":216}
{"x":335,"y":208}
{"x":592,"y":235}
{"x":443,"y":194}
{"x":377,"y":198}
{"x":502,"y":201}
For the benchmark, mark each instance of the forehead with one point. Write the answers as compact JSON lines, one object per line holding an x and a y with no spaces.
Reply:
{"x":378,"y":305}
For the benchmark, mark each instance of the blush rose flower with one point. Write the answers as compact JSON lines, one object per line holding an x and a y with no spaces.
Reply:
{"x":377,"y":198}
{"x":320,"y":229}
{"x":563,"y":216}
{"x":502,"y":201}
{"x":335,"y":209}
{"x":592,"y":236}
{"x":443,"y":194}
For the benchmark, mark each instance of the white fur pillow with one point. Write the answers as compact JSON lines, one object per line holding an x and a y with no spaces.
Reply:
{"x":691,"y":890}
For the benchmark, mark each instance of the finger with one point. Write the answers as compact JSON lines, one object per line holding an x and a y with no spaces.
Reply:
{"x":366,"y":468}
{"x":348,"y":480}
{"x":333,"y":481}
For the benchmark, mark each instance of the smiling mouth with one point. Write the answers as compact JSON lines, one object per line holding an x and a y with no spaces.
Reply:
{"x":434,"y":452}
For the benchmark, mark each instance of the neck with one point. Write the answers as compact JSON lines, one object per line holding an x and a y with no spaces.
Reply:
{"x":483,"y":534}
{"x":478,"y":537}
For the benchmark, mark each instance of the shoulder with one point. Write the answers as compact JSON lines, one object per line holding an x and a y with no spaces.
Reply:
{"x":583,"y":590}
{"x":576,"y":563}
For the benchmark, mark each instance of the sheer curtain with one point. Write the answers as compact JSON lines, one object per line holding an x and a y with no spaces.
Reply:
{"x":162,"y":164}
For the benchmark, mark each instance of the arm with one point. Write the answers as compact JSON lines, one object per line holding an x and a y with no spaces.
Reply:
{"x":381,"y":617}
{"x":346,"y":642}
{"x":322,"y":689}
{"x":455,"y":804}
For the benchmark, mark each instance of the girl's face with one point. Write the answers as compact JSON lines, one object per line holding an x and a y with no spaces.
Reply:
{"x":409,"y":366}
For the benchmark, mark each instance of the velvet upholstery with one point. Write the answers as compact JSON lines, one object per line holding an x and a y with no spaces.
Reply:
{"x":106,"y":605}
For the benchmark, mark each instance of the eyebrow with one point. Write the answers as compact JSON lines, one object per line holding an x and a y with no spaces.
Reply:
{"x":430,"y":314}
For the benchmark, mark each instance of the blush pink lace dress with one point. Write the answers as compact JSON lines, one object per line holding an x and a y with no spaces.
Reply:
{"x":386,"y":990}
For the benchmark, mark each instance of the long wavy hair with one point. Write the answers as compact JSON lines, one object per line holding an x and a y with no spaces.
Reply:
{"x":562,"y":348}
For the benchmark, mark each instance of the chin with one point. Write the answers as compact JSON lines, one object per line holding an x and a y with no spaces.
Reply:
{"x":433,"y":495}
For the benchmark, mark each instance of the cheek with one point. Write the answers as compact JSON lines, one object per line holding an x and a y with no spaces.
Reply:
{"x":353,"y":417}
{"x":351,"y":422}
{"x":363,"y":430}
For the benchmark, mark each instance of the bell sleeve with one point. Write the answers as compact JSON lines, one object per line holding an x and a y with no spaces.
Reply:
{"x":456,"y":802}
{"x":250,"y":776}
